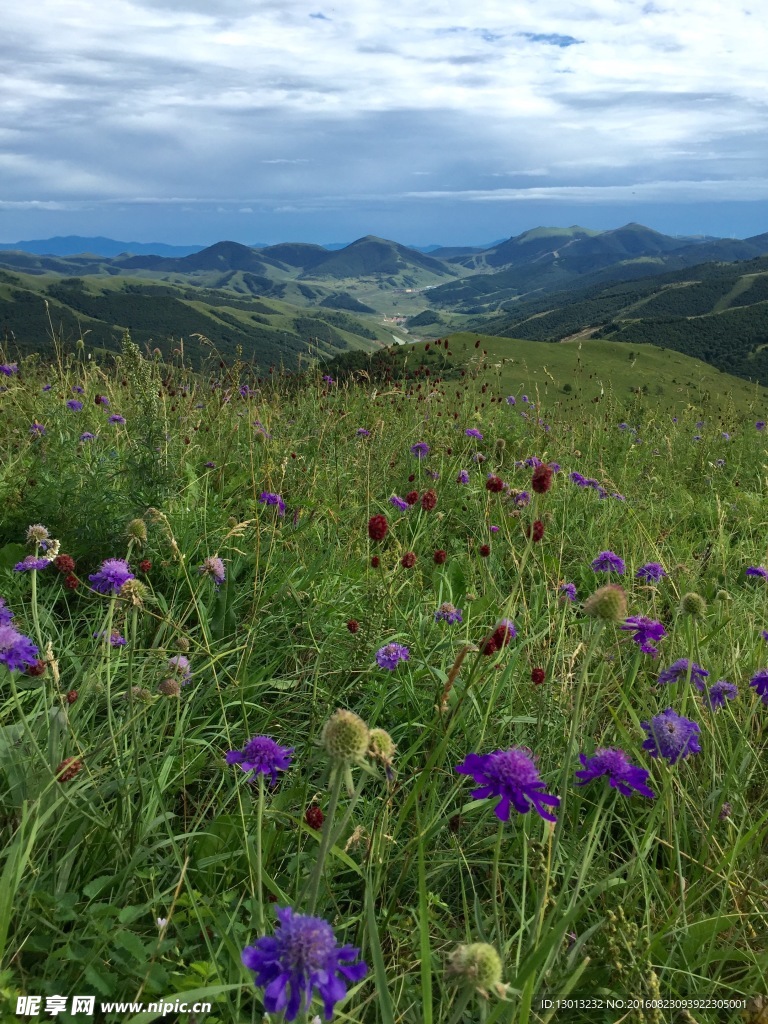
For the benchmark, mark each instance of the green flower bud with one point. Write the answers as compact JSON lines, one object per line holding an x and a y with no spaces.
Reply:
{"x":169,"y":688}
{"x":345,"y":737}
{"x":693,"y":604}
{"x":137,"y":530}
{"x":477,"y":965}
{"x":608,"y":603}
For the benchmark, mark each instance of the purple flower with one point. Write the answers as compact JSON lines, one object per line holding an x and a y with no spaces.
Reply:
{"x":607,"y":561}
{"x":8,"y":369}
{"x":623,"y":426}
{"x":764,"y":634}
{"x":16,"y":650}
{"x":671,"y":736}
{"x":115,"y":638}
{"x":87,"y":436}
{"x":511,"y":400}
{"x":678,"y":671}
{"x":719,"y":692}
{"x":5,"y":613}
{"x":533,"y":461}
{"x":524,"y":398}
{"x":578,"y":479}
{"x":262,"y":756}
{"x":420,"y":449}
{"x":647,"y":632}
{"x":760,"y":682}
{"x":478,"y":457}
{"x":37,"y":429}
{"x":513,"y":776}
{"x":568,"y":591}
{"x":74,"y":405}
{"x":399,"y":502}
{"x":76,"y":389}
{"x":213,"y":567}
{"x":301,"y":958}
{"x":463,"y":477}
{"x":210,"y":465}
{"x":46,"y":387}
{"x":471,"y":432}
{"x":725,"y":435}
{"x":114,"y":572}
{"x":651,"y":571}
{"x":362,"y":432}
{"x":622,"y":775}
{"x":31,"y":562}
{"x":389,"y":656}
{"x":267,"y":498}
{"x":521,"y":499}
{"x":448,"y":613}
{"x":116,"y":418}
{"x":179,"y":665}
{"x":757,"y":570}
{"x":328,"y":380}
{"x":760,"y":425}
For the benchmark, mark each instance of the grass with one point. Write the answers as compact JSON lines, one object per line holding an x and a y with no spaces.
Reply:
{"x":144,"y":875}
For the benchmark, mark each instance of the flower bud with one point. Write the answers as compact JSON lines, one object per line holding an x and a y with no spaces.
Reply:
{"x":137,"y":530}
{"x":608,"y":603}
{"x":477,"y":965}
{"x":693,"y":604}
{"x":345,"y":737}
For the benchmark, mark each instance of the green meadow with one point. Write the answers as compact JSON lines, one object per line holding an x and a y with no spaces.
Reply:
{"x":223,"y":573}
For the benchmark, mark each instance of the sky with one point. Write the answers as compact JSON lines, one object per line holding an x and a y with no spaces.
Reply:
{"x":261,"y":121}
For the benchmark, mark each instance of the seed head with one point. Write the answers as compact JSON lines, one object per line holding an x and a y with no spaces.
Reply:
{"x":693,"y":604}
{"x":608,"y":603}
{"x":68,"y":769}
{"x":346,"y":737}
{"x":169,"y":688}
{"x":135,"y":592}
{"x":477,"y":965}
{"x":137,"y":530}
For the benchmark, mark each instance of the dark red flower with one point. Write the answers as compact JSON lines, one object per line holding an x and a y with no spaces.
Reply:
{"x":440,"y":556}
{"x":489,"y":646}
{"x":537,"y":676}
{"x":377,"y":527}
{"x":314,"y":817}
{"x":412,"y":497}
{"x":145,"y":565}
{"x":536,"y":531}
{"x":375,"y":562}
{"x":64,"y":563}
{"x":485,"y":550}
{"x":454,"y":823}
{"x":71,"y":582}
{"x":37,"y":668}
{"x":68,"y":769}
{"x":353,"y":625}
{"x":71,"y":696}
{"x":494,"y":484}
{"x":411,"y":478}
{"x":541,"y":480}
{"x":428,"y":500}
{"x":408,"y":560}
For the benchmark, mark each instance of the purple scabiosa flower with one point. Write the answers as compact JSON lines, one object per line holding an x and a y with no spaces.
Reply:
{"x":448,"y":613}
{"x":87,"y":436}
{"x":37,"y":429}
{"x":267,"y":498}
{"x":578,"y":479}
{"x":74,"y":405}
{"x":210,"y":465}
{"x":8,"y":369}
{"x":116,"y":639}
{"x":764,"y":634}
{"x":725,"y":435}
{"x":607,"y":561}
{"x":262,"y":756}
{"x":420,"y":449}
{"x":524,"y":398}
{"x":31,"y":562}
{"x":513,"y":776}
{"x":478,"y":457}
{"x":651,"y":571}
{"x":622,"y":774}
{"x":521,"y":499}
{"x":114,"y":572}
{"x":647,"y":633}
{"x":116,"y":418}
{"x":533,"y":462}
{"x":471,"y":432}
{"x":362,"y":432}
{"x":511,"y":400}
{"x":623,"y":426}
{"x":389,"y":656}
{"x":5,"y":613}
{"x":757,"y":570}
{"x":760,"y":682}
{"x":463,"y":477}
{"x":618,"y":497}
{"x":46,"y":387}
{"x":213,"y":567}
{"x":555,"y":467}
{"x":760,"y":425}
{"x":179,"y":665}
{"x":398,"y":502}
{"x":328,"y":380}
{"x":567,"y":591}
{"x":76,"y":389}
{"x":678,"y":671}
{"x":718,"y":693}
{"x":16,"y":650}
{"x":301,"y":958}
{"x":671,"y":736}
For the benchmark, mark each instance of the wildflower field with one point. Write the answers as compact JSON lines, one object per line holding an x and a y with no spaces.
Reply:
{"x":414,"y":702}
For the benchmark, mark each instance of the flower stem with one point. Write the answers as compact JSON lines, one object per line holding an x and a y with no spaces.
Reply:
{"x":337,"y":779}
{"x":259,"y":822}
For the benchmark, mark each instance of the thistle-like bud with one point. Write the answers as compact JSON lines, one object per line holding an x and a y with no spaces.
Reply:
{"x":723,"y":595}
{"x":137,"y":530}
{"x":477,"y":965}
{"x":182,"y":643}
{"x":37,"y":534}
{"x":135,"y":592}
{"x":693,"y":604}
{"x":169,"y":688}
{"x":608,"y":603}
{"x":382,"y":748}
{"x":756,"y":1011}
{"x":501,"y":444}
{"x":139,"y":693}
{"x":345,"y":737}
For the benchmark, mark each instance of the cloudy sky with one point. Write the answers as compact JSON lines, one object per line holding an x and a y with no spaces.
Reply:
{"x":189,"y":121}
